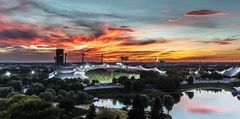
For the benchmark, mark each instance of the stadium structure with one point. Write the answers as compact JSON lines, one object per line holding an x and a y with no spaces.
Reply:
{"x":71,"y":71}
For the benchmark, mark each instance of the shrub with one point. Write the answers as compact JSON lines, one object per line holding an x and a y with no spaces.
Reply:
{"x":51,"y":91}
{"x":35,"y":88}
{"x":190,"y":80}
{"x":63,"y":93}
{"x":17,"y":85}
{"x":4,"y":91}
{"x":71,"y":95}
{"x":91,"y":114}
{"x":77,"y":86}
{"x":66,"y":104}
{"x":59,"y":98}
{"x":168,"y":84}
{"x":81,"y":98}
{"x":138,"y":85}
{"x":47,"y":96}
{"x":168,"y":102}
{"x":12,"y":94}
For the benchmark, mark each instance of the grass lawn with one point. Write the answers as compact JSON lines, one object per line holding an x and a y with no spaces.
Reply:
{"x":107,"y":76}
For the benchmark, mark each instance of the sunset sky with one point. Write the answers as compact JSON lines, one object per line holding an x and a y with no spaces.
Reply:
{"x":171,"y":30}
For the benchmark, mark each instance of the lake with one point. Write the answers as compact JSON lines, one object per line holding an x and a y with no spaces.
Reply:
{"x":196,"y":104}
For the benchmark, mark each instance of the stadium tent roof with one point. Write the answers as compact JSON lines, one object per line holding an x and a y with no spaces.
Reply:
{"x":233,"y":71}
{"x":79,"y":71}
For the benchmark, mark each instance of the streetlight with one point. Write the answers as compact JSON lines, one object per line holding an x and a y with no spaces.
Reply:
{"x":32,"y":72}
{"x":8,"y":73}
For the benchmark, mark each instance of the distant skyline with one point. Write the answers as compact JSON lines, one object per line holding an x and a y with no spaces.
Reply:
{"x":190,"y":30}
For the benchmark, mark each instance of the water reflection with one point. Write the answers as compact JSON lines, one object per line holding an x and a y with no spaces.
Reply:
{"x":195,"y":104}
{"x":207,"y":104}
{"x":189,"y":94}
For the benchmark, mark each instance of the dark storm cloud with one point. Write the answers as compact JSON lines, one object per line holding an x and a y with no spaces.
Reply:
{"x":26,"y":55}
{"x":226,"y":41}
{"x":122,"y":29}
{"x":18,"y":34}
{"x":194,"y":22}
{"x":11,"y":47}
{"x":220,"y":42}
{"x":89,"y":20}
{"x":132,"y":52}
{"x":84,"y":50}
{"x":203,"y":13}
{"x":141,"y":54}
{"x":144,"y":42}
{"x":43,"y":46}
{"x":23,"y":5}
{"x":17,"y":47}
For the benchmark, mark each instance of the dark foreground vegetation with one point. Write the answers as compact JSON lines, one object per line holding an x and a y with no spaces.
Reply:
{"x":28,"y":95}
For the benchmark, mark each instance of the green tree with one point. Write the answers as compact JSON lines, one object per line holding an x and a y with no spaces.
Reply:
{"x":144,"y":100}
{"x":168,"y":102}
{"x":71,"y":95}
{"x":137,"y":111}
{"x":190,"y":80}
{"x":77,"y":87}
{"x":52,"y":91}
{"x":47,"y":96}
{"x":91,"y":114}
{"x":168,"y":84}
{"x":132,"y":78}
{"x":190,"y":95}
{"x":127,"y":102}
{"x":4,"y":79}
{"x":118,"y":116}
{"x":12,"y":94}
{"x":63,"y":93}
{"x":138,"y":85}
{"x":156,"y":109}
{"x":85,"y":81}
{"x":35,"y":88}
{"x":114,"y":80}
{"x":81,"y":97}
{"x":127,"y":84}
{"x":4,"y":91}
{"x":17,"y":85}
{"x":59,"y":98}
{"x":66,"y":104}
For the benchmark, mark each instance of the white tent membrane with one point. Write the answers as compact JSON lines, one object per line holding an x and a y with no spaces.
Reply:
{"x":75,"y":71}
{"x":231,"y":72}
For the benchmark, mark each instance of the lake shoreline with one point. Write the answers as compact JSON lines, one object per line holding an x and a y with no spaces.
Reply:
{"x":122,"y":93}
